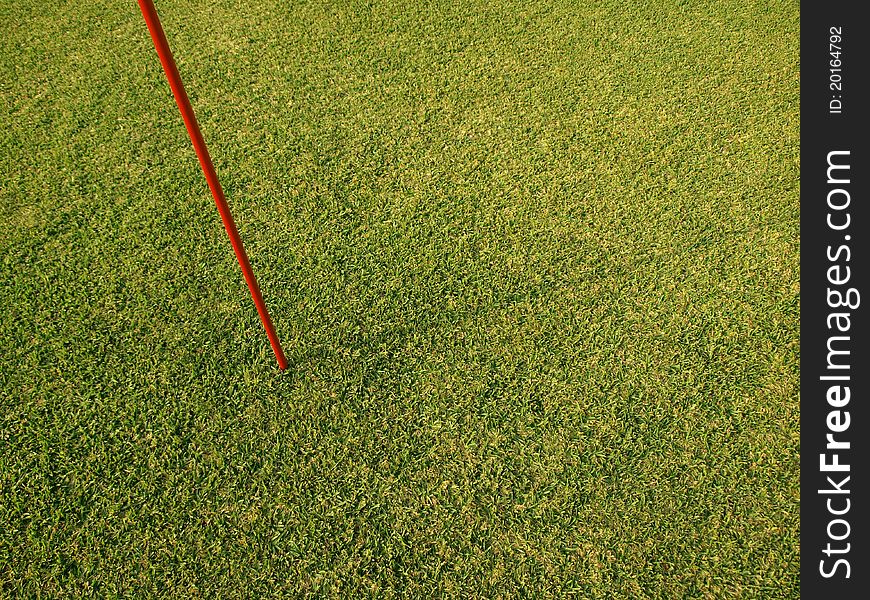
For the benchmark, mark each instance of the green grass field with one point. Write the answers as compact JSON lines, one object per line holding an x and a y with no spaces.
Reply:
{"x":535,"y":266}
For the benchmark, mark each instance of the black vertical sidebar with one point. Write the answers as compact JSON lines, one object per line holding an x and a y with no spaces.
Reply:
{"x":835,"y":299}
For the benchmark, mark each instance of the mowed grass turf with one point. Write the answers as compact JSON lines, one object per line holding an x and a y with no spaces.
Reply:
{"x":535,"y":266}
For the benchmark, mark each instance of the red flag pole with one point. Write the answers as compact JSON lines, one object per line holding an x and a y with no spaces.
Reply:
{"x":162,"y":46}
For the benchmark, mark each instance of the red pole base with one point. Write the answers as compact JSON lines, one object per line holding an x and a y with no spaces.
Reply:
{"x":163,"y":51}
